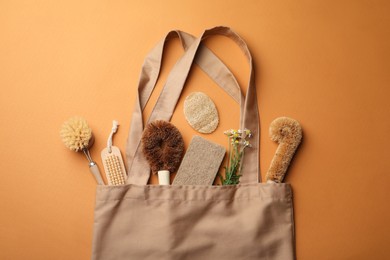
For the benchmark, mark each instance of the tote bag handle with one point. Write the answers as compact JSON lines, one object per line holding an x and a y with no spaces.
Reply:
{"x":139,"y":171}
{"x":149,"y":76}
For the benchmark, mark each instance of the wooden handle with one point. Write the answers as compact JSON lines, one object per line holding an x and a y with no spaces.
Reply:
{"x":288,"y":133}
{"x":163,"y":177}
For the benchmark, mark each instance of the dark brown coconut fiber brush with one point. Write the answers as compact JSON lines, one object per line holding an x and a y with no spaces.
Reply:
{"x":163,"y":147}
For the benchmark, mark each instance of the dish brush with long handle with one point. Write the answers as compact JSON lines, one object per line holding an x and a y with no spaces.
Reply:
{"x":77,"y":136}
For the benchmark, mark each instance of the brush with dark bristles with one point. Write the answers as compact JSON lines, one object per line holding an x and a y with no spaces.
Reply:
{"x":77,"y":136}
{"x":163,"y":147}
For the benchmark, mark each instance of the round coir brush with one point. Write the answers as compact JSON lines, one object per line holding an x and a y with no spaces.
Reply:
{"x":163,"y":147}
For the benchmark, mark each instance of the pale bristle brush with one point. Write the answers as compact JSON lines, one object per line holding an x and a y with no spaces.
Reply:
{"x":287,"y":132}
{"x":77,"y":136}
{"x":112,"y":161}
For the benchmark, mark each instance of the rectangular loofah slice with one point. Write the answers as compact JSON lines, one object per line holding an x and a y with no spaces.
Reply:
{"x":200,"y":163}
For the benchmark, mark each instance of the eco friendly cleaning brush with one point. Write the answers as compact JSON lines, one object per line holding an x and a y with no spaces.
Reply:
{"x":112,"y":160}
{"x":77,"y":136}
{"x":288,"y":133}
{"x":163,"y":147}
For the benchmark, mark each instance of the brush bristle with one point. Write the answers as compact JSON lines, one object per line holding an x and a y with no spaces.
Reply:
{"x":114,"y":173}
{"x":163,"y":146}
{"x":76,"y":133}
{"x":287,"y":130}
{"x":288,"y":133}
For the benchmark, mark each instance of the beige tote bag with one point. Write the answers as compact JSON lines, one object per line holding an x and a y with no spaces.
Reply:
{"x":251,"y":220}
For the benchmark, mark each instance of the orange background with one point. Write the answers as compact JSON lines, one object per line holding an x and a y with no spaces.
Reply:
{"x":324,"y":63}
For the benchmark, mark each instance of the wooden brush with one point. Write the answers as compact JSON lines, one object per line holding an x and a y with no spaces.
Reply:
{"x":112,"y":160}
{"x":288,"y":133}
{"x":77,"y":136}
{"x":163,"y":147}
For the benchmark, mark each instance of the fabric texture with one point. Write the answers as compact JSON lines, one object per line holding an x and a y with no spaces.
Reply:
{"x":248,"y":221}
{"x":252,"y":221}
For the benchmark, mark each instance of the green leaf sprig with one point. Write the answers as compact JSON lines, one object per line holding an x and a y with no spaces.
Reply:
{"x":237,"y":144}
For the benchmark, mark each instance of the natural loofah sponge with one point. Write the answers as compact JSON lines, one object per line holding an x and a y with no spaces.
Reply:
{"x":200,"y":163}
{"x":163,"y":146}
{"x":288,"y":133}
{"x":76,"y":133}
{"x":201,"y":113}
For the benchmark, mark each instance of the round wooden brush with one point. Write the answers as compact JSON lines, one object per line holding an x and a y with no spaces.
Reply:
{"x":163,"y":147}
{"x":288,"y":133}
{"x":77,"y":136}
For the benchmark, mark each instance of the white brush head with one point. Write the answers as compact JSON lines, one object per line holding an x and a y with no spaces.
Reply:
{"x":76,"y":134}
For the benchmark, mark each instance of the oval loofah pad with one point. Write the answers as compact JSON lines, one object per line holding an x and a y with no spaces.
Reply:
{"x":201,"y":113}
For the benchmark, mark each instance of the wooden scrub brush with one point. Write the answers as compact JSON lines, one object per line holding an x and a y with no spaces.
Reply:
{"x":112,"y":160}
{"x":77,"y":136}
{"x":288,"y":133}
{"x":163,"y":147}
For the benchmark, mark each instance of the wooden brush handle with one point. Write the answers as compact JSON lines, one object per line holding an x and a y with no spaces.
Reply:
{"x":288,"y":133}
{"x":163,"y":177}
{"x":96,"y":173}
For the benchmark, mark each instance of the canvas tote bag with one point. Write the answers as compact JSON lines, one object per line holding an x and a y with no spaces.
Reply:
{"x":251,"y":220}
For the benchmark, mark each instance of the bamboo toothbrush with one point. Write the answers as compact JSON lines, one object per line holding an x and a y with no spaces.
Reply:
{"x":77,"y":136}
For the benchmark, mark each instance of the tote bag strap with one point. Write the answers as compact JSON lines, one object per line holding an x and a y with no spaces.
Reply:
{"x":149,"y":76}
{"x":139,"y":171}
